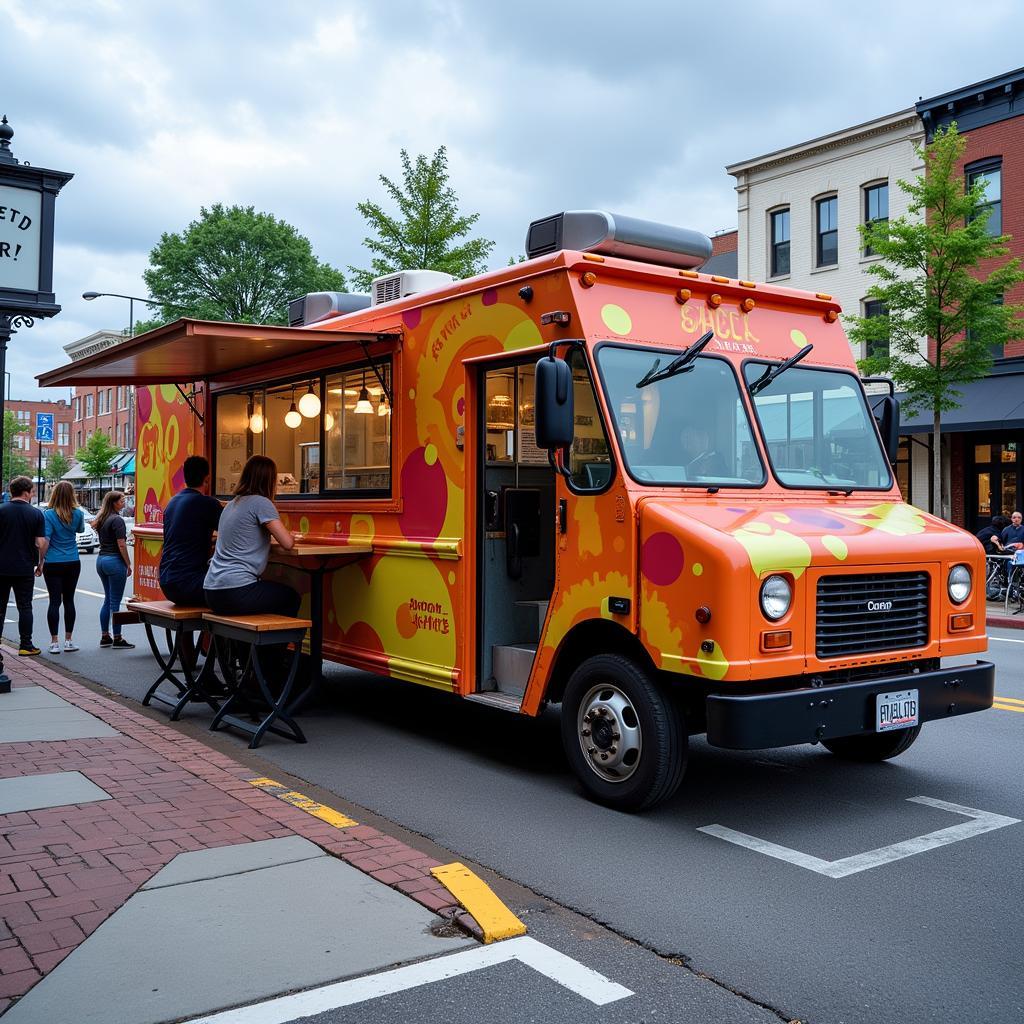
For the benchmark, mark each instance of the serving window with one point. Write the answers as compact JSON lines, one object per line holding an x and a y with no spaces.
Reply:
{"x":345,"y":415}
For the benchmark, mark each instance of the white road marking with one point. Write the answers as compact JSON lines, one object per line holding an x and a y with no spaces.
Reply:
{"x":557,"y":966}
{"x":1007,"y":639}
{"x":982,"y":821}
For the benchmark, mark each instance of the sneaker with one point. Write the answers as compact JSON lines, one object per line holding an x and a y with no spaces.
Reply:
{"x":54,"y":648}
{"x":70,"y":645}
{"x":106,"y":640}
{"x":29,"y":652}
{"x":121,"y":644}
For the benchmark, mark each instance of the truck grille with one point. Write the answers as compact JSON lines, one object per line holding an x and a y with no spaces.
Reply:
{"x":871,"y":613}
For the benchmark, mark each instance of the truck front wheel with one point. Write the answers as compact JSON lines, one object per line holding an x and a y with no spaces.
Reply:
{"x":623,"y":736}
{"x":872,"y":746}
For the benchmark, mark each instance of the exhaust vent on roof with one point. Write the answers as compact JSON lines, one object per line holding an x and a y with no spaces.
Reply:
{"x":317,"y":306}
{"x":614,"y":235}
{"x":407,"y":282}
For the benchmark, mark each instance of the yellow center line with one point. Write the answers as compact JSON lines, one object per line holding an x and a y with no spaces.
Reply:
{"x":1008,"y":707}
{"x":289,"y":796}
{"x":1009,"y":700}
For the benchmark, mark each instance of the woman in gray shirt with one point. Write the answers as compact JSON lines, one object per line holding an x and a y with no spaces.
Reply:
{"x":232,"y":584}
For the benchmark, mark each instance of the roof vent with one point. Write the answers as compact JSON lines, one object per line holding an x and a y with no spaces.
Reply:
{"x":317,"y":306}
{"x":407,"y":282}
{"x":614,"y":235}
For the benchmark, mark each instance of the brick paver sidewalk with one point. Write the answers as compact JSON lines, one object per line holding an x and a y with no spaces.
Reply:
{"x":64,"y":870}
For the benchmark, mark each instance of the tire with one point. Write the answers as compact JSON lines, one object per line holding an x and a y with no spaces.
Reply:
{"x":637,"y":719}
{"x":873,"y":746}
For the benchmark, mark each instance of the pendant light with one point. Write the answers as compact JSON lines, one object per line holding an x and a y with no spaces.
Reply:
{"x":383,"y":409}
{"x":292,"y":417}
{"x":328,"y":421}
{"x":256,"y":423}
{"x":363,"y":406}
{"x":309,"y":403}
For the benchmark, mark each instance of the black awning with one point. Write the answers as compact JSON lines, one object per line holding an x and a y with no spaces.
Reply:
{"x":995,"y":403}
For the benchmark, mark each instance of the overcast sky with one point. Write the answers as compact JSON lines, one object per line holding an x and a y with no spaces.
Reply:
{"x":296,"y":108}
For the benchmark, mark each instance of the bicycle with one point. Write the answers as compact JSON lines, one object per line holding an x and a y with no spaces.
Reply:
{"x":1015,"y":585}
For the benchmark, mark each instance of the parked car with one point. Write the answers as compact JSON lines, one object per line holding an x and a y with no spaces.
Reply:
{"x":88,"y":541}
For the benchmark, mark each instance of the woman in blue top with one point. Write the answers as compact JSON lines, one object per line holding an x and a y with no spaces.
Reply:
{"x":62,"y":566}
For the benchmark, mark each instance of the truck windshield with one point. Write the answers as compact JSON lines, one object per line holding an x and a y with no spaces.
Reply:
{"x":818,"y":430}
{"x":690,"y":429}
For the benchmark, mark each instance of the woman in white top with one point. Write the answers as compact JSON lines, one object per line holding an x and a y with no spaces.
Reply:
{"x":248,"y":522}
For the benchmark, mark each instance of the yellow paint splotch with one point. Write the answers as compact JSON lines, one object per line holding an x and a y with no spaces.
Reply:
{"x":713,"y":665}
{"x":895,"y":518}
{"x":776,"y":550}
{"x":835,"y":547}
{"x":616,"y":319}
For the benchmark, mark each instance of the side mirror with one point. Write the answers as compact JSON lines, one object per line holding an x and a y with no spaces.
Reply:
{"x":887,"y":415}
{"x":553,"y":404}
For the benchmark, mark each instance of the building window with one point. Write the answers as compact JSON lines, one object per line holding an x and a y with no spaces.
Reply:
{"x":827,"y":231}
{"x":780,"y":243}
{"x":63,"y":434}
{"x":78,"y":442}
{"x":880,"y":347}
{"x":88,"y":406}
{"x":990,"y":174}
{"x":78,"y":408}
{"x":876,"y":208}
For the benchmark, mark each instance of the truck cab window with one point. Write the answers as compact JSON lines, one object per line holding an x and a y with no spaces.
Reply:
{"x":691,"y":429}
{"x":589,"y":459}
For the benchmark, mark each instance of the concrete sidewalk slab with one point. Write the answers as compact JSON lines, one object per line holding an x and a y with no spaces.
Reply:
{"x":234,"y":860}
{"x":202,"y":946}
{"x":22,"y":697}
{"x":31,"y":725}
{"x":54,"y":789}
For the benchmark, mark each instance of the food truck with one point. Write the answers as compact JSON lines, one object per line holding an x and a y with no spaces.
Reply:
{"x":599,"y":478}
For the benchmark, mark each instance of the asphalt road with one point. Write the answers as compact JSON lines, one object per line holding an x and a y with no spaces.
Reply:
{"x":935,"y":936}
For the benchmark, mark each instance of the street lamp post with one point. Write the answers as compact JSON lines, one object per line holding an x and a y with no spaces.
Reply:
{"x":132,"y":299}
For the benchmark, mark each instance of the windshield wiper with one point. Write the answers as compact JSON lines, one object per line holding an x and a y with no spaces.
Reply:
{"x":773,"y":371}
{"x":681,"y":364}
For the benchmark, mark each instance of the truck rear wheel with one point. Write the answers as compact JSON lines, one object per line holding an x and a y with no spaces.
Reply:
{"x":873,"y":746}
{"x":623,"y":736}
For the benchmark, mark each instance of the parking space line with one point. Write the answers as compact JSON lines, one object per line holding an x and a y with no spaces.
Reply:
{"x":981,"y":822}
{"x":569,"y":973}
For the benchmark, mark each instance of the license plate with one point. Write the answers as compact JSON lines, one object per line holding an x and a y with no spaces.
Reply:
{"x":896,"y":710}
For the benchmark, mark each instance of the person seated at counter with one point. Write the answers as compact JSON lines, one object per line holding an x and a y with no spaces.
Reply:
{"x":190,"y":520}
{"x":989,"y":535}
{"x":232,"y":585}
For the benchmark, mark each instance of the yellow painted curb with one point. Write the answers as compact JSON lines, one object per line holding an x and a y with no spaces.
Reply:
{"x":495,"y":919}
{"x":289,"y":796}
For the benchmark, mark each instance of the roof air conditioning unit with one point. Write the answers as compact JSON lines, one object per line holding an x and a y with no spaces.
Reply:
{"x":407,"y":282}
{"x":317,"y":306}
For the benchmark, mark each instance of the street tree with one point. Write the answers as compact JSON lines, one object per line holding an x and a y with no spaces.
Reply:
{"x":942,"y":276}
{"x":97,"y":454}
{"x":14,"y":462}
{"x":235,"y":264}
{"x":424,"y":233}
{"x":56,"y":466}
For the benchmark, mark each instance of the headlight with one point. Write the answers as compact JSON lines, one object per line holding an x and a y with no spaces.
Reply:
{"x":776,"y":597}
{"x":959,"y":584}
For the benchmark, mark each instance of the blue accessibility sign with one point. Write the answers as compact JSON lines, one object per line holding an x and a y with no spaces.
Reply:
{"x":44,"y":427}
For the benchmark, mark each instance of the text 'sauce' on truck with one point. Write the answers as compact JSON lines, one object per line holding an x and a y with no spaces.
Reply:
{"x":600,"y":478}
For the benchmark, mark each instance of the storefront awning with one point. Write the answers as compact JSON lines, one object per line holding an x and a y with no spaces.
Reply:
{"x":195,"y":350}
{"x":76,"y":472}
{"x":995,"y":403}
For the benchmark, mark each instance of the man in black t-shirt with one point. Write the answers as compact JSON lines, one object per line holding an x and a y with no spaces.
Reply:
{"x":190,"y":518}
{"x":1012,"y":538}
{"x":989,"y":535}
{"x":22,"y":548}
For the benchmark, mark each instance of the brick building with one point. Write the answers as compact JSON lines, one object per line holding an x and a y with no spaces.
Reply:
{"x":984,"y":438}
{"x":110,"y":409}
{"x":25,"y":444}
{"x":723,"y":255}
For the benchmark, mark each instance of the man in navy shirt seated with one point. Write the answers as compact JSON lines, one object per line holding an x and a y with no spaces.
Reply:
{"x":1012,"y":538}
{"x":190,"y":518}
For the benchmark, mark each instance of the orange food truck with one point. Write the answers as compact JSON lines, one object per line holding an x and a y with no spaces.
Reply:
{"x":598,"y":478}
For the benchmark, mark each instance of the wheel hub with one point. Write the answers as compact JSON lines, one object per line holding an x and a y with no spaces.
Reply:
{"x":609,"y":733}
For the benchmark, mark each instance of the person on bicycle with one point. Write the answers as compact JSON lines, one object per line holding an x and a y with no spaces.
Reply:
{"x":1012,"y":538}
{"x":989,"y":535}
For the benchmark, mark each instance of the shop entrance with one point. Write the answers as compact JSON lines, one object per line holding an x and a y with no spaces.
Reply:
{"x":994,"y":478}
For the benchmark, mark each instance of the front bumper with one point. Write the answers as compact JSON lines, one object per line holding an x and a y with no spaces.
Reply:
{"x":811,"y":714}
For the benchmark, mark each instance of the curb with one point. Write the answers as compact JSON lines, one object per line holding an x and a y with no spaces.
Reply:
{"x":1005,"y":621}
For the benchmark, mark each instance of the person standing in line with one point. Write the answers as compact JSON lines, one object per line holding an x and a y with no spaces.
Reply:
{"x":22,"y":549}
{"x":112,"y":565}
{"x":190,"y":519}
{"x":62,"y":565}
{"x":233,"y":585}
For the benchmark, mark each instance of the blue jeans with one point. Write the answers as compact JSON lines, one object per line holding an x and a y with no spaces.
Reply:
{"x":113,"y":574}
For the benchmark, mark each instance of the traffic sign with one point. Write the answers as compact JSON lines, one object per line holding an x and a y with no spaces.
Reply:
{"x":44,"y":427}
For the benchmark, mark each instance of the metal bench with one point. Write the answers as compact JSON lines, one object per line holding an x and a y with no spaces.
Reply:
{"x":178,"y":666}
{"x":257,"y":632}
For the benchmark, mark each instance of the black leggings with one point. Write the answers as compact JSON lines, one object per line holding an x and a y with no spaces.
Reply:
{"x":61,"y":581}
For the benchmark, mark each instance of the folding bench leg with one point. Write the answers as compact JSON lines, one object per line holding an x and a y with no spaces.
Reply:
{"x":166,"y":666}
{"x":278,"y":706}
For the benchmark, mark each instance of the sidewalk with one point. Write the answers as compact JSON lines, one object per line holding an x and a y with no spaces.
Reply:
{"x":96,"y":800}
{"x":995,"y":615}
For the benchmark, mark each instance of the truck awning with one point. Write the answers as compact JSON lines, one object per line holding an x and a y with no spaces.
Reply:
{"x":196,"y":350}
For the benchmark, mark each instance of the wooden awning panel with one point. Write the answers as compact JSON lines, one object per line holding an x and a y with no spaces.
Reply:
{"x":195,"y":350}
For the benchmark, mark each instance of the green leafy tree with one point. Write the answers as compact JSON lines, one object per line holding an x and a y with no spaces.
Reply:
{"x":424,"y":233}
{"x":56,"y":466}
{"x":14,"y":462}
{"x":97,"y":454}
{"x":936,"y":281}
{"x":233,"y":264}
